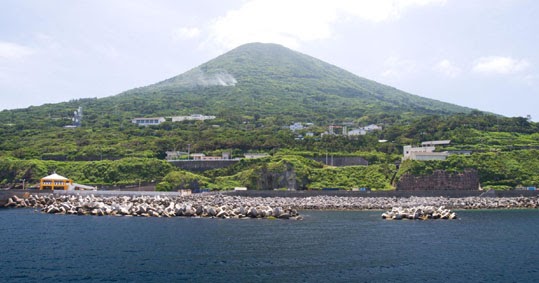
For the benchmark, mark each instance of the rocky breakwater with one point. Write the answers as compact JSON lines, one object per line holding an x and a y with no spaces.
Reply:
{"x":419,"y":212}
{"x":222,"y":205}
{"x":214,"y":206}
{"x":384,"y":203}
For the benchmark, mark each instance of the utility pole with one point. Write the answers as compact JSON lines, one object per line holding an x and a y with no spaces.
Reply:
{"x":188,"y":151}
{"x":327,"y":157}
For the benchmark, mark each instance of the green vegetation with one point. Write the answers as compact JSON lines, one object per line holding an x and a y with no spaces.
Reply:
{"x":106,"y":172}
{"x":182,"y":180}
{"x":268,"y":88}
{"x":282,"y":171}
{"x":496,"y":169}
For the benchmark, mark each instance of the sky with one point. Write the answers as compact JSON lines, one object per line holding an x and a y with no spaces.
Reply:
{"x":481,"y":54}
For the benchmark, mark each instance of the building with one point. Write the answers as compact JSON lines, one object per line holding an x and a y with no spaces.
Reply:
{"x":197,"y":156}
{"x":175,"y":155}
{"x":211,"y":158}
{"x":423,"y":153}
{"x":296,"y":127}
{"x":55,"y":181}
{"x":255,"y":155}
{"x":148,"y":121}
{"x":194,"y":117}
{"x":372,"y":127}
{"x":357,"y":132}
{"x":79,"y":187}
{"x":435,"y":143}
{"x":364,"y":130}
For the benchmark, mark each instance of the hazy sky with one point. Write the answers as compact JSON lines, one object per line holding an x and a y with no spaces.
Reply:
{"x":482,"y":54}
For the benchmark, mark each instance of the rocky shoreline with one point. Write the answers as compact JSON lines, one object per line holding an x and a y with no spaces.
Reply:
{"x":225,"y":206}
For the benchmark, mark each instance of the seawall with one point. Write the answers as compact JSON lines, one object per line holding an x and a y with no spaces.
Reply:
{"x":382,"y":194}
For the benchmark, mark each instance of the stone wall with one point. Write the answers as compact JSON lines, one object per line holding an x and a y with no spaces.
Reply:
{"x":440,"y":180}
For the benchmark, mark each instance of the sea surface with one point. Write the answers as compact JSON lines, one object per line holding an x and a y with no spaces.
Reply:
{"x":327,"y":246}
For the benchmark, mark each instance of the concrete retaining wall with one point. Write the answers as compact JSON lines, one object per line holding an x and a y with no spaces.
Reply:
{"x":440,"y":180}
{"x":341,"y":160}
{"x":202,"y":165}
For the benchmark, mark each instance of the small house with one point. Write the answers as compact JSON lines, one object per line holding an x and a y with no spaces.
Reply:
{"x":148,"y":121}
{"x":55,"y":181}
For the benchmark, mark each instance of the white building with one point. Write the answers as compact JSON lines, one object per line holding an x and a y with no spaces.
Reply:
{"x":357,"y":132}
{"x":296,"y":127}
{"x":148,"y":121}
{"x":197,"y":156}
{"x":255,"y":155}
{"x":194,"y":117}
{"x":372,"y":127}
{"x":364,"y":130}
{"x":435,"y":143}
{"x":423,"y":153}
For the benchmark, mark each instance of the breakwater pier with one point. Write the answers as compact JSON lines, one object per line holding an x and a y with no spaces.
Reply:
{"x":253,"y":204}
{"x":158,"y":205}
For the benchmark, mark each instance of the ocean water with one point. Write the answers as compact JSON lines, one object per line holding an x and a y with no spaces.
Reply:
{"x":327,"y":246}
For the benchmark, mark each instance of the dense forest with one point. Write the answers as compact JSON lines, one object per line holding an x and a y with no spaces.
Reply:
{"x":255,"y":93}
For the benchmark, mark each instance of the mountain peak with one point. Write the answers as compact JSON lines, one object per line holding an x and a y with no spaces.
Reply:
{"x":267,"y":78}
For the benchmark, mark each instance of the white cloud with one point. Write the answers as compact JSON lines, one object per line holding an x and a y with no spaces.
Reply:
{"x":10,"y":50}
{"x":381,"y":10}
{"x":531,"y":79}
{"x":286,"y":22}
{"x":397,"y":68}
{"x":499,"y":65}
{"x":447,"y":68}
{"x":186,"y":33}
{"x":293,"y":22}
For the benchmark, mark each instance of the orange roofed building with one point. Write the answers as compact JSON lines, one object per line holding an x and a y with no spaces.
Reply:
{"x":55,"y":181}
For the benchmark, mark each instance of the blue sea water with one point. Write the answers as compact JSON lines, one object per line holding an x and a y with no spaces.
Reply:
{"x":327,"y":246}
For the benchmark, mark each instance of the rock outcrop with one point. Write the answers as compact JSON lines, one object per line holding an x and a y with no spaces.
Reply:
{"x":419,"y":212}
